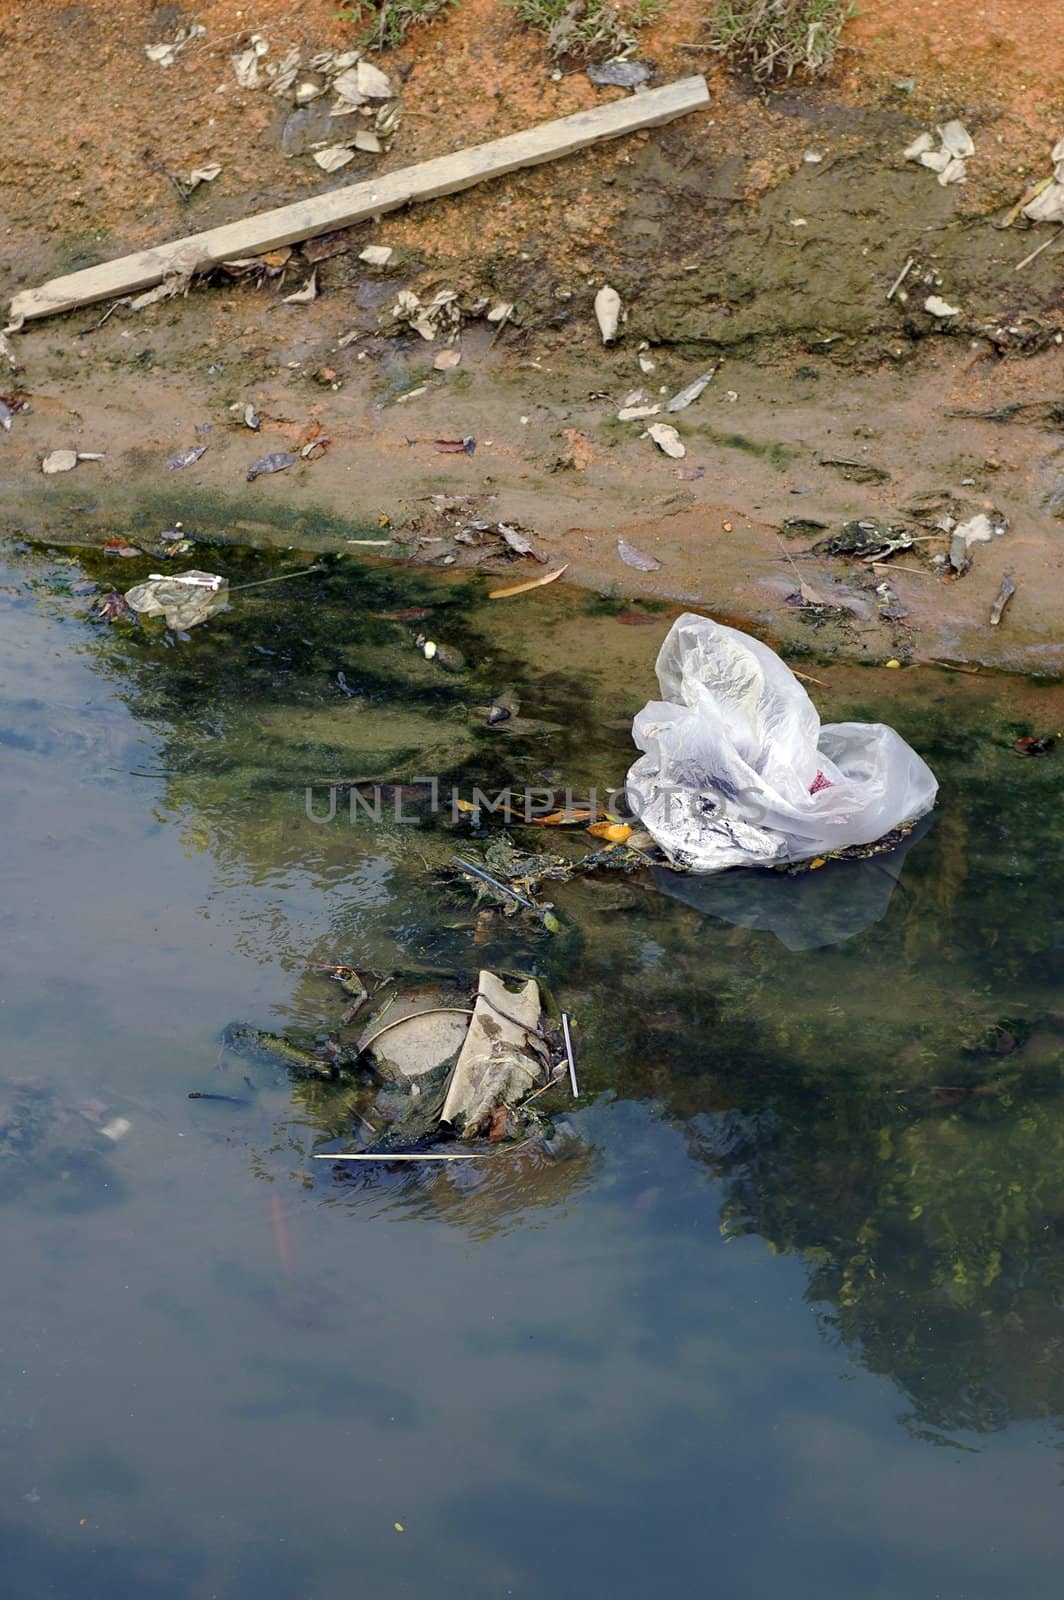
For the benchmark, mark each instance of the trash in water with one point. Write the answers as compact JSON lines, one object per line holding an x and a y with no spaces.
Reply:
{"x":667,"y":439}
{"x":939,"y":307}
{"x":1048,"y":204}
{"x":634,"y":557}
{"x":1005,"y":594}
{"x":185,"y":458}
{"x":1030,"y":744}
{"x":121,"y":547}
{"x":112,"y":607}
{"x":185,"y":599}
{"x":376,"y":255}
{"x":608,"y":313}
{"x":252,"y":419}
{"x":685,"y":397}
{"x":6,"y":414}
{"x":276,"y":461}
{"x":621,"y":74}
{"x":737,"y":769}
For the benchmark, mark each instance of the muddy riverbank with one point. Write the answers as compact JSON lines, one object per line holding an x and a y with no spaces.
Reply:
{"x":733,"y":249}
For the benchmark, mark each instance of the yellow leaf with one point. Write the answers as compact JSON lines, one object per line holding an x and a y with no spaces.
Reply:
{"x":532,"y":583}
{"x":615,"y":832}
{"x":819,"y":862}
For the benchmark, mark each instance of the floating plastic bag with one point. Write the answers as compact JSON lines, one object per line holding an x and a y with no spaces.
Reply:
{"x":738,"y":770}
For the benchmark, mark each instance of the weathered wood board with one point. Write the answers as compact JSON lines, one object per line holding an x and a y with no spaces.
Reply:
{"x":357,"y":202}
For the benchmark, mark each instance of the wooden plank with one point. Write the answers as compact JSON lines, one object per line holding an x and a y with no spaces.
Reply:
{"x":357,"y":202}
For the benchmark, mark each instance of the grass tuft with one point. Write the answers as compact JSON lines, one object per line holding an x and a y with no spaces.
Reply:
{"x":778,"y":37}
{"x":386,"y":23}
{"x":587,"y":30}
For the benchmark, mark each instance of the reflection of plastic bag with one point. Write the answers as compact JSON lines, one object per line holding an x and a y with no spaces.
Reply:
{"x":738,"y":771}
{"x":806,"y":910}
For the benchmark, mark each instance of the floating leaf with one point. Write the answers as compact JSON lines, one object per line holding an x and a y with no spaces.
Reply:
{"x":613,"y":832}
{"x":560,"y":819}
{"x":532,"y":583}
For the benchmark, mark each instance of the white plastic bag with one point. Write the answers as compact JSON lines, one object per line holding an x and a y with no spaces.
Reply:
{"x":738,"y":771}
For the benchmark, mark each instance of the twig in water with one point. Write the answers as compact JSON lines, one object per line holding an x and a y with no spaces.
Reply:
{"x":569,"y":1055}
{"x":496,"y":883}
{"x":280,"y":578}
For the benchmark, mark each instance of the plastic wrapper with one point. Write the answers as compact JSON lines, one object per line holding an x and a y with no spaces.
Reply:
{"x":738,"y":771}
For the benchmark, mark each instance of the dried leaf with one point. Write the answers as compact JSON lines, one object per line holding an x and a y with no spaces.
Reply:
{"x":561,"y":819}
{"x":532,"y":583}
{"x":276,"y":461}
{"x":632,"y":556}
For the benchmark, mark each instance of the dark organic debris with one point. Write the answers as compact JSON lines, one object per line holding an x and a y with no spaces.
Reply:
{"x":857,"y":471}
{"x":1043,"y":413}
{"x":276,"y":461}
{"x":1030,"y":744}
{"x":456,"y":446}
{"x":865,"y":537}
{"x":112,"y":607}
{"x":801,"y":527}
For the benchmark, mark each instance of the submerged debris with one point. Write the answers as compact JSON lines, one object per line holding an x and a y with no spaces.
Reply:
{"x":184,"y":600}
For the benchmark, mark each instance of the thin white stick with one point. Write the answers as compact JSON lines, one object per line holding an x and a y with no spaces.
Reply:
{"x":569,"y":1056}
{"x":1043,"y":246}
{"x":900,"y":279}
